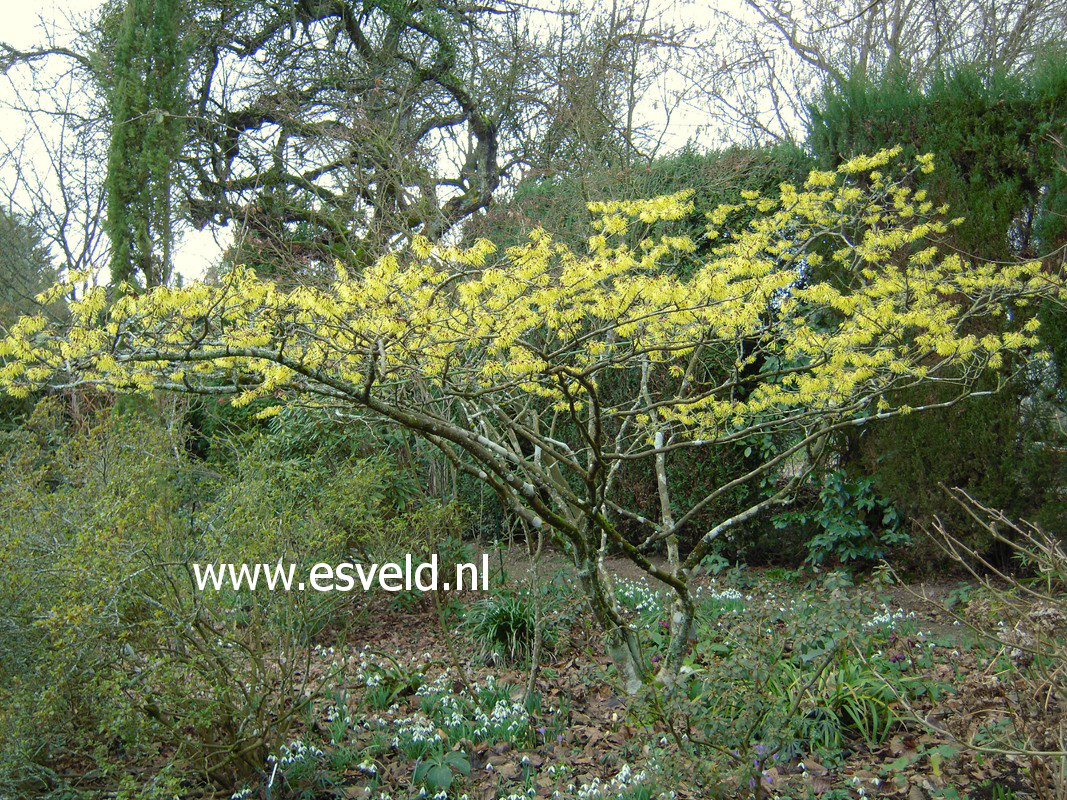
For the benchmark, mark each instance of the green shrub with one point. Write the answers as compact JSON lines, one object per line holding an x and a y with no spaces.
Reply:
{"x":852,"y":522}
{"x":503,"y":624}
{"x":109,"y":655}
{"x":999,"y":168}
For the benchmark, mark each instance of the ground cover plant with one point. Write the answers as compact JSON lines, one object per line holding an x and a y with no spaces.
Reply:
{"x":797,"y":688}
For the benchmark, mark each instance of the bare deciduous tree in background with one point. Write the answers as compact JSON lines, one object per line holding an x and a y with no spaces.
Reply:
{"x":331,"y":129}
{"x":766,"y":59}
{"x":54,"y":162}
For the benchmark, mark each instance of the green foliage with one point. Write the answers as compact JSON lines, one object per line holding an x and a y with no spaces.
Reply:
{"x":846,"y":698}
{"x":389,"y":682}
{"x":999,"y":447}
{"x":998,"y":791}
{"x":112,"y":631}
{"x":853,"y":523}
{"x":26,"y":268}
{"x":304,"y":770}
{"x":436,"y":772}
{"x":997,"y":163}
{"x":147,"y":105}
{"x":336,"y":488}
{"x":108,"y":653}
{"x":784,"y":674}
{"x":998,"y":139}
{"x":558,"y":202}
{"x":486,"y":711}
{"x":504,"y":625}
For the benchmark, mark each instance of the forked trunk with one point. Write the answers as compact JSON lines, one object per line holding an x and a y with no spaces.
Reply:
{"x":621,"y":639}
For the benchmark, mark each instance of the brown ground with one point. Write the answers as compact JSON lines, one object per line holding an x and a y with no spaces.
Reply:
{"x":600,"y":736}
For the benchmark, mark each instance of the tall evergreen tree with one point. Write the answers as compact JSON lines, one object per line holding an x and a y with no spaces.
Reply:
{"x":147,"y":102}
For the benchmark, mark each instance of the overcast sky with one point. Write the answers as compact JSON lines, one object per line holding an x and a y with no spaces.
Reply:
{"x":22,"y":17}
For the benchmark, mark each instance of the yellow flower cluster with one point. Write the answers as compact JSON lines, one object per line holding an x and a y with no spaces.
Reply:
{"x":836,"y":285}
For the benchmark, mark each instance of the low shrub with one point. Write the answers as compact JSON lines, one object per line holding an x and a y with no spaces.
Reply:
{"x":503,"y":625}
{"x":851,"y":523}
{"x":111,"y":659}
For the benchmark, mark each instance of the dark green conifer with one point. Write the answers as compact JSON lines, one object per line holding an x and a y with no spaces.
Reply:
{"x":147,"y":102}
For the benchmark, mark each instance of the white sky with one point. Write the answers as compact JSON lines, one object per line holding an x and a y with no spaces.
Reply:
{"x":25,"y":22}
{"x":22,"y":17}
